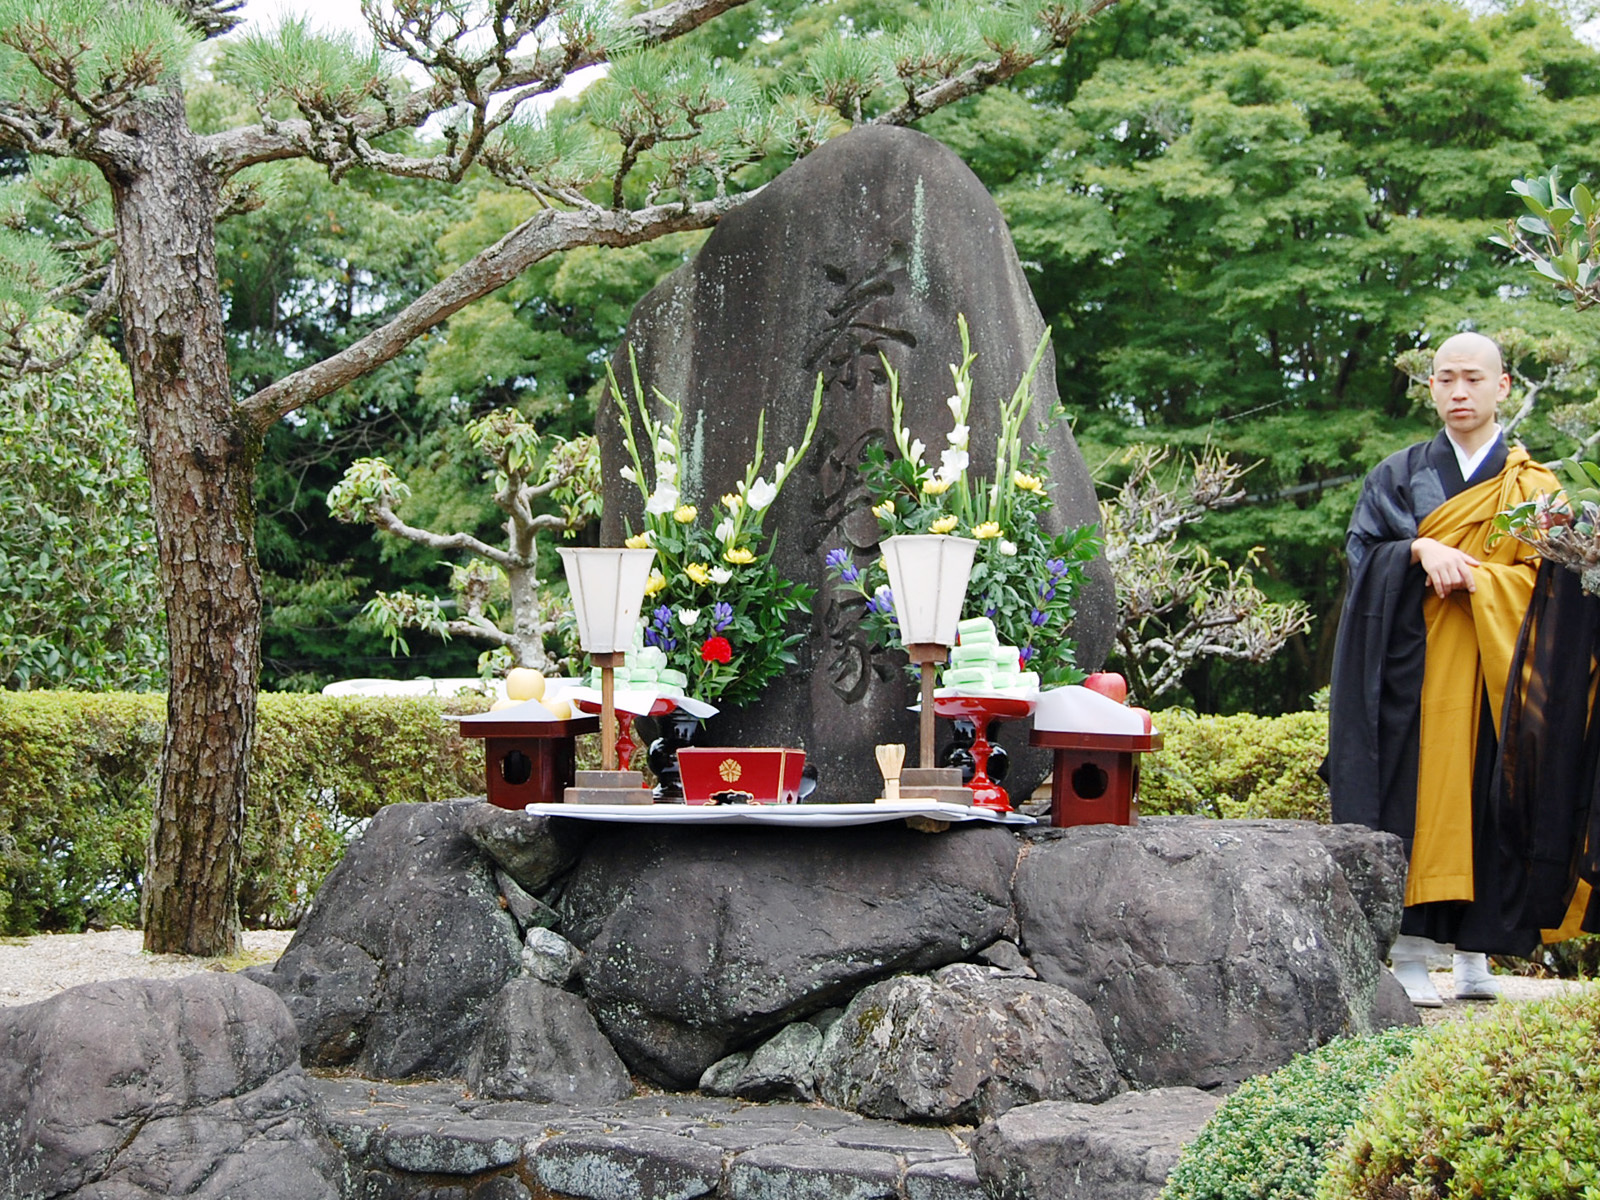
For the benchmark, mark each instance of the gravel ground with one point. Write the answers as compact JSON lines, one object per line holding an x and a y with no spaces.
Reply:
{"x":34,"y":968}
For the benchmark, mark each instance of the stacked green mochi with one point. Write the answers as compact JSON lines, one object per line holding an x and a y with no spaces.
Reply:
{"x":979,"y":663}
{"x":644,"y":668}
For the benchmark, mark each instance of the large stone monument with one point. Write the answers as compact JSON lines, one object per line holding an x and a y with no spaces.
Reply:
{"x":869,"y":247}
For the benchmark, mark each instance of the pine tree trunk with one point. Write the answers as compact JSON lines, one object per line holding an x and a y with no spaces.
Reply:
{"x":202,"y":462}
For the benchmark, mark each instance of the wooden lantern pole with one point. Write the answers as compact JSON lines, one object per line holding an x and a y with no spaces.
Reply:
{"x":607,"y":661}
{"x":927,"y":655}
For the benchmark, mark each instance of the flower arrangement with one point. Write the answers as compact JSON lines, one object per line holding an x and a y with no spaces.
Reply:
{"x":715,"y":603}
{"x":1023,"y":578}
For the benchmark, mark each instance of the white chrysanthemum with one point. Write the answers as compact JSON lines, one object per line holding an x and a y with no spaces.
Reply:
{"x":688,"y":616}
{"x":1009,"y":549}
{"x":720,"y":575}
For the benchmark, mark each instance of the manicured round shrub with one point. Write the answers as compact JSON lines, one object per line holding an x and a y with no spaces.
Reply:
{"x":1504,"y":1106}
{"x":1237,"y":766}
{"x":1271,"y":1138}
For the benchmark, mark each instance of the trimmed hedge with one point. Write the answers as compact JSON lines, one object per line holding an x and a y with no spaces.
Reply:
{"x":1238,"y":766}
{"x":1506,"y":1105}
{"x":78,"y":773}
{"x":1271,"y":1139}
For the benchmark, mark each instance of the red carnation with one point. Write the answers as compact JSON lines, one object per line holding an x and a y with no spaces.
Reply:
{"x":717,"y":650}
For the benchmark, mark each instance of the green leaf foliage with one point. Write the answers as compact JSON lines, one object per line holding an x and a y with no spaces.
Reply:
{"x":80,"y":601}
{"x":1237,"y":766}
{"x":1271,"y":1139}
{"x":78,"y":775}
{"x":1507,"y":1105}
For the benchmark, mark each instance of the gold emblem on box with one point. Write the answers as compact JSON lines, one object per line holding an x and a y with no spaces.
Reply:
{"x":730,"y":770}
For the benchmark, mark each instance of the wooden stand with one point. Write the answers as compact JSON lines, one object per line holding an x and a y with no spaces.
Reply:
{"x":528,"y":762}
{"x":1095,"y":779}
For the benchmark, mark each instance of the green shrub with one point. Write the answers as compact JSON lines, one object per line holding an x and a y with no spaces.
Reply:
{"x":1507,"y":1105}
{"x":78,"y":773}
{"x":1238,"y":766}
{"x":1271,"y":1138}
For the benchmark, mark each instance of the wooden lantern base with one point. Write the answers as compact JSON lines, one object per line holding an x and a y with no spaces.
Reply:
{"x":608,"y":787}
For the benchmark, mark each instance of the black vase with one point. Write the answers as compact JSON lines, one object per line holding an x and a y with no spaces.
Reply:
{"x":959,"y":752}
{"x":677,"y":729}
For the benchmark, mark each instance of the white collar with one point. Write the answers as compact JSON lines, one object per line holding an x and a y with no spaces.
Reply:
{"x":1471,"y":462}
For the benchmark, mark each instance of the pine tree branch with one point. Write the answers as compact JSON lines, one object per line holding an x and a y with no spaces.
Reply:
{"x":385,"y":519}
{"x":539,"y":237}
{"x":273,"y":141}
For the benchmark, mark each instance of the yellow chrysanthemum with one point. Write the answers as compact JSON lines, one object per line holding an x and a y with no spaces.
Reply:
{"x":944,"y":524}
{"x":934,"y":486}
{"x":732,"y":501}
{"x":639,"y":541}
{"x":685,"y":513}
{"x":989,"y":529}
{"x":655,"y":583}
{"x":699,"y":572}
{"x":886,"y":509}
{"x":1026,"y":482}
{"x":738,"y":555}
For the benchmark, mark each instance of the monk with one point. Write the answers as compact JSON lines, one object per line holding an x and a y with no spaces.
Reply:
{"x":1424,"y":651}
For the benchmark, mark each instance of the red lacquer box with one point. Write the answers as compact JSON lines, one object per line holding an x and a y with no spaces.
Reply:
{"x":767,"y":774}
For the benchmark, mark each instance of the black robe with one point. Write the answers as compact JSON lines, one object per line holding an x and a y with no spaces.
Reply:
{"x":1374,"y":714}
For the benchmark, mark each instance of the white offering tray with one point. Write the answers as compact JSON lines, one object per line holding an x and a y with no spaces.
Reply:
{"x":1077,"y":709}
{"x":810,"y":816}
{"x":639,"y":701}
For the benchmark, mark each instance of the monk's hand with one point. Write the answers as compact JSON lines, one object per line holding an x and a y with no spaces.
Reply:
{"x":1447,"y":568}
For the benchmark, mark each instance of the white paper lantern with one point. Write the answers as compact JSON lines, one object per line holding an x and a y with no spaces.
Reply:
{"x":928,"y":576}
{"x":607,"y":592}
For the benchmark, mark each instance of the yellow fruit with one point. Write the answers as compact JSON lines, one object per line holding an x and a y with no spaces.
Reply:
{"x":562,"y":709}
{"x":524,"y":683}
{"x":499,"y":704}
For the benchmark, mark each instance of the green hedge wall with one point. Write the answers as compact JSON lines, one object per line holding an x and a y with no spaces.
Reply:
{"x":1238,"y":766}
{"x":78,"y":773}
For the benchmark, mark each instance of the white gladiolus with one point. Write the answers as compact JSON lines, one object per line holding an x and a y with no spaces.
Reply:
{"x":953,"y":403}
{"x":663,"y":500}
{"x":720,"y":575}
{"x":958,"y":436}
{"x":951,"y":464}
{"x":666,"y":471}
{"x":665,"y":448}
{"x":723,"y":531}
{"x":916,"y":451}
{"x":627,"y":473}
{"x":761,"y":496}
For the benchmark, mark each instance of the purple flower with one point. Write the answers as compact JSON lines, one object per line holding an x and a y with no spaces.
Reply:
{"x":663,"y":617}
{"x":1047,"y":592}
{"x":1037,"y":618}
{"x":721,"y":616}
{"x":1026,"y":654}
{"x":1057,"y":568}
{"x":989,"y":612}
{"x":837,"y":559}
{"x":882,"y":601}
{"x":659,"y":632}
{"x":850,"y":574}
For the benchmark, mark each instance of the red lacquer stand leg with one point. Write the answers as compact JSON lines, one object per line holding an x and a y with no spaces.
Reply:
{"x":625,"y":745}
{"x":986,"y":793}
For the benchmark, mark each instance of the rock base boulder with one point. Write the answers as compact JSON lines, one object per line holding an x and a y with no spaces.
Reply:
{"x":145,"y":1088}
{"x":1123,"y":1149}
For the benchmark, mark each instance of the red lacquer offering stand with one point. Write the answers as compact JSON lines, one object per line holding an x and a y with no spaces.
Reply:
{"x":625,"y":743}
{"x":980,"y":710}
{"x":1096,"y":775}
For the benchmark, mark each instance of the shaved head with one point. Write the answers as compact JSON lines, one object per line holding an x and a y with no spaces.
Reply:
{"x":1471,"y":345}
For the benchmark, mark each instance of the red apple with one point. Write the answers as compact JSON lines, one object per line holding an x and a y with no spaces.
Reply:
{"x":1149,"y":725}
{"x":1108,"y":683}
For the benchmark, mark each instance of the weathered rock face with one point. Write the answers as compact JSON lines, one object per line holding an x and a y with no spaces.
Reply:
{"x":540,"y":1043}
{"x":154,"y":1088}
{"x":1123,"y":1149}
{"x":533,"y":851}
{"x":1209,"y":951}
{"x":919,"y":1049}
{"x":870,"y":246}
{"x":404,"y":948}
{"x":699,"y":940}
